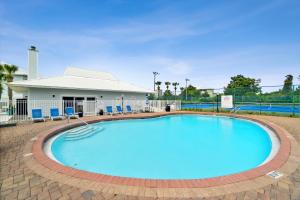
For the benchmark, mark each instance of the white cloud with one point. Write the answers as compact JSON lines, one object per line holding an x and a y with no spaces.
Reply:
{"x":170,"y":65}
{"x":179,"y":68}
{"x":48,"y":37}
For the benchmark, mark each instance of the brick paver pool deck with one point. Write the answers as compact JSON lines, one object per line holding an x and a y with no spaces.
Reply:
{"x":22,"y":176}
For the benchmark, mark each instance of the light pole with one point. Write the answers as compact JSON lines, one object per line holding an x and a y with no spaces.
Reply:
{"x":186,"y":80}
{"x":154,"y":78}
{"x":122,"y":98}
{"x":295,"y":95}
{"x":218,"y":102}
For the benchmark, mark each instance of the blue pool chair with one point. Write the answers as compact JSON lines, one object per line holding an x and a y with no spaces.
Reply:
{"x":109,"y":110}
{"x":119,"y":109}
{"x":37,"y":114}
{"x":69,"y":112}
{"x":54,"y":114}
{"x":129,"y":109}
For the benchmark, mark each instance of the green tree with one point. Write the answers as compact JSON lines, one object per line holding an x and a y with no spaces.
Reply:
{"x":158,"y":83}
{"x":181,"y":89}
{"x":241,"y":85}
{"x":175,"y":84}
{"x":288,"y":84}
{"x":205,"y":94}
{"x":167,"y":83}
{"x":151,"y":97}
{"x":9,"y":73}
{"x":167,"y":94}
{"x":192,"y":92}
{"x":298,"y":88}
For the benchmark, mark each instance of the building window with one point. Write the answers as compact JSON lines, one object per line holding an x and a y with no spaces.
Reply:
{"x":90,"y":98}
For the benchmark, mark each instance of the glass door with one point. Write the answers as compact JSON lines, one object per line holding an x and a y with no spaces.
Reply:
{"x":79,"y":104}
{"x":68,"y":102}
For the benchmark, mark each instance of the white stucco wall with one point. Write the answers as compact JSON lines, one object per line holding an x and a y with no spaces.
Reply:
{"x":46,"y":98}
{"x":47,"y":94}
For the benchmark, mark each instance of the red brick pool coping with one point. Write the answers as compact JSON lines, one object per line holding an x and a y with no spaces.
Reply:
{"x":279,"y":159}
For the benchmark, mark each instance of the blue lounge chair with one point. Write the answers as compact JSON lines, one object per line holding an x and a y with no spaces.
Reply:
{"x":69,"y":112}
{"x":119,"y":109}
{"x":129,"y":110}
{"x":37,"y":115}
{"x":54,"y":114}
{"x":109,"y":110}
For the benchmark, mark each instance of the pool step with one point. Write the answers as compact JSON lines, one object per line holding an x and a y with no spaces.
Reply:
{"x":78,"y":137}
{"x":78,"y":129}
{"x":73,"y":135}
{"x":82,"y":133}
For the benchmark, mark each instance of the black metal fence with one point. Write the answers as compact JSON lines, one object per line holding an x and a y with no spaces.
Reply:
{"x":274,"y":100}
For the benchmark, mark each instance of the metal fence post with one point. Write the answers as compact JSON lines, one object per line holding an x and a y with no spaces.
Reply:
{"x":234,"y":98}
{"x":293,"y":98}
{"x":260,"y":100}
{"x":217,"y":103}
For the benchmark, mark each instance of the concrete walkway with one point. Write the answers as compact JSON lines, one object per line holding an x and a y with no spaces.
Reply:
{"x":17,"y":181}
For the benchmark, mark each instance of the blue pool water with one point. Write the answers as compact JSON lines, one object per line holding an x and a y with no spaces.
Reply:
{"x":170,"y":147}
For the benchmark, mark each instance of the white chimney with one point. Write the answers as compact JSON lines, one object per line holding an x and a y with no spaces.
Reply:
{"x":32,"y":63}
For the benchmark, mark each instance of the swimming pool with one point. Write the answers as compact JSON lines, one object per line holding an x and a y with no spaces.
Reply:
{"x":169,"y":147}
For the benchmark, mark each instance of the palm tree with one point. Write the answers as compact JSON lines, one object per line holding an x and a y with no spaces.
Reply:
{"x":1,"y":79}
{"x":9,"y":77}
{"x":175,"y":84}
{"x":158,"y":83}
{"x":167,"y":83}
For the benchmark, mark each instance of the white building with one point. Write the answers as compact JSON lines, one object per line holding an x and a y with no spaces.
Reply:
{"x":77,"y":87}
{"x":79,"y":84}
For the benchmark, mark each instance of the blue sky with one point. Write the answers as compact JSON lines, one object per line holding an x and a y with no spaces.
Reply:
{"x":205,"y":41}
